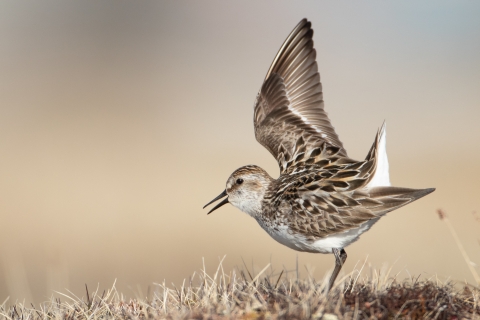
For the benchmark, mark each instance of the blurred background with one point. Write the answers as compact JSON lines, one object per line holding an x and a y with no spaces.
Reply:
{"x":119,"y":120}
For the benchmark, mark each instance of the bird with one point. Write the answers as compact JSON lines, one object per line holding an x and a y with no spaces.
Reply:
{"x":323,"y":200}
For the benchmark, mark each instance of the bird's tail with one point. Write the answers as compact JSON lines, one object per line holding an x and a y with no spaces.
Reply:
{"x":392,"y":198}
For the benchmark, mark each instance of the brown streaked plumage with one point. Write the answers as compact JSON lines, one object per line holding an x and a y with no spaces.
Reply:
{"x":323,"y":200}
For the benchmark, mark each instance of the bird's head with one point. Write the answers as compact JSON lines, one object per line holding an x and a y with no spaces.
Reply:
{"x":245,"y":190}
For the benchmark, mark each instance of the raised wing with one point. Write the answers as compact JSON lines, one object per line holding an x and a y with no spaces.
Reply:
{"x":289,"y":107}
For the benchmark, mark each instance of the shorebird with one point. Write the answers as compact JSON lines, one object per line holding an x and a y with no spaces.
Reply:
{"x":323,"y":200}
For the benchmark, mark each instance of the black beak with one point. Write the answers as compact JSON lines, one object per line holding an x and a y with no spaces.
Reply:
{"x":224,"y":201}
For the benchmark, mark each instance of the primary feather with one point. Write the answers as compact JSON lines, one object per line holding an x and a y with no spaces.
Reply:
{"x":290,"y":102}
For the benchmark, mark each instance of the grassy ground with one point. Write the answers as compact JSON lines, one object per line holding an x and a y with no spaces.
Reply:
{"x":271,"y":295}
{"x":241,"y":295}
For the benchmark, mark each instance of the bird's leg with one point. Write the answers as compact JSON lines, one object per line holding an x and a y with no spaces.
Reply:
{"x":340,"y":258}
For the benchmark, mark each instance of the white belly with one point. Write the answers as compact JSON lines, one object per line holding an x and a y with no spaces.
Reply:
{"x":325,"y":245}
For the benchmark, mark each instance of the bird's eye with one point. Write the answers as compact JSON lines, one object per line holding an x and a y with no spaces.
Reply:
{"x":239,"y":181}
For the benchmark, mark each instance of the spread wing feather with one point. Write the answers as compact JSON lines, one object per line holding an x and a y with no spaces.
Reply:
{"x":290,"y":105}
{"x":320,"y":190}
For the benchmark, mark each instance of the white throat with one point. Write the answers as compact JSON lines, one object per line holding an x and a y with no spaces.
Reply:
{"x":251,"y":204}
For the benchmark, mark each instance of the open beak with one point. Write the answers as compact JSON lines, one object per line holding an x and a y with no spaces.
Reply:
{"x":224,"y":201}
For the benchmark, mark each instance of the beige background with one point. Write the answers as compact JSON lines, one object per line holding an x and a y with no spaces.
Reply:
{"x":120,"y":120}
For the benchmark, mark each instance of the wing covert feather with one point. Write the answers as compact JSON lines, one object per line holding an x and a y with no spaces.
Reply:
{"x":318,"y":216}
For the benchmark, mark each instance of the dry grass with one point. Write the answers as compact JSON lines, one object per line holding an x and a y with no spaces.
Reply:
{"x":272,"y":295}
{"x":239,"y":294}
{"x":443,"y":216}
